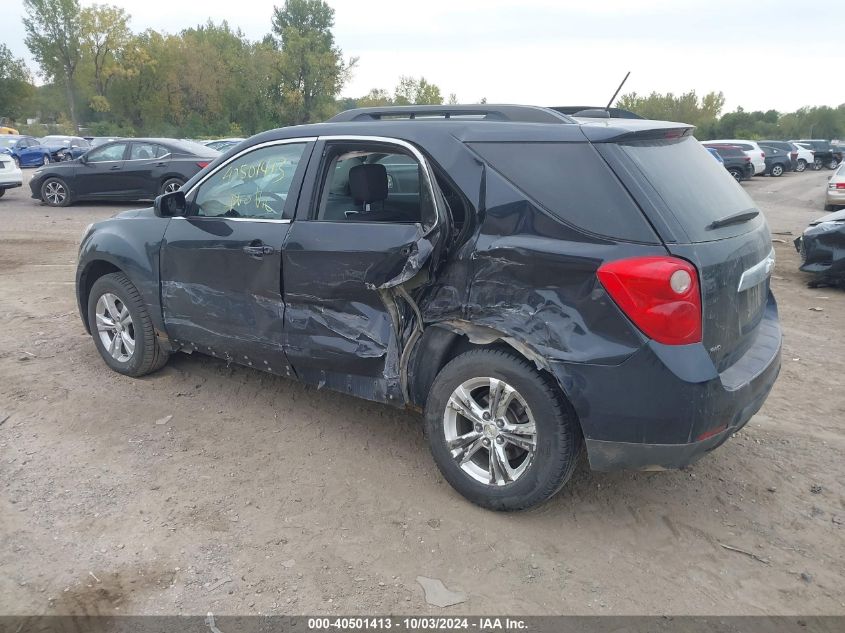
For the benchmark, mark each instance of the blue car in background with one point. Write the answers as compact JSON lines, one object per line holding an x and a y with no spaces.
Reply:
{"x":67,"y":147}
{"x":715,"y":155}
{"x":29,"y":151}
{"x":17,"y":145}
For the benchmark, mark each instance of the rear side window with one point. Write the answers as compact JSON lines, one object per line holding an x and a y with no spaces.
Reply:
{"x":573,"y":183}
{"x":696,"y":188}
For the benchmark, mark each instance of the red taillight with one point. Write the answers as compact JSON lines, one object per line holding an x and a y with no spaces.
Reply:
{"x":763,"y":155}
{"x":659,"y":294}
{"x":747,"y":159}
{"x":840,"y":185}
{"x":202,"y":164}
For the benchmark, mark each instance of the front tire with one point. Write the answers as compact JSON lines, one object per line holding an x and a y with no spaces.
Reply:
{"x":55,"y":192}
{"x":777,"y":170}
{"x":818,"y":163}
{"x":121,"y":327}
{"x":17,"y":161}
{"x":500,"y":432}
{"x":802,"y":165}
{"x":171,"y":185}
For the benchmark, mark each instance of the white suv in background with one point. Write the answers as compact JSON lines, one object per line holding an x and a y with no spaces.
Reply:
{"x":751,"y":149}
{"x":806,"y":157}
{"x":10,"y":173}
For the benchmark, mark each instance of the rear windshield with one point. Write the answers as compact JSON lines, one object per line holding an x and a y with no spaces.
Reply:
{"x":572,"y":182}
{"x":728,"y":151}
{"x":697,"y":189}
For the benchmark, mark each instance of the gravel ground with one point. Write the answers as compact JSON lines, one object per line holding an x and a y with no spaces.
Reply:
{"x":260,"y":495}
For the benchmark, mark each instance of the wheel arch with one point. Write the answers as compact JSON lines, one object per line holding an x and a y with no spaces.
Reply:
{"x":86,"y":278}
{"x":442,"y":342}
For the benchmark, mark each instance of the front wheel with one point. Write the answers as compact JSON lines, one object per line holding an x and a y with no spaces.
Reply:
{"x":833,"y":164}
{"x":121,"y":326}
{"x":171,"y":185}
{"x":500,"y":431}
{"x":55,"y":192}
{"x":818,"y":163}
{"x":802,"y":165}
{"x":17,"y":162}
{"x":45,"y":160}
{"x":777,"y":170}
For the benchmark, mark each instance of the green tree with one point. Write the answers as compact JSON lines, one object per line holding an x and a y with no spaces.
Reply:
{"x":417,"y":92}
{"x":104,"y":35}
{"x":310,"y":68}
{"x":16,"y":89}
{"x":684,"y":108}
{"x":52,"y":36}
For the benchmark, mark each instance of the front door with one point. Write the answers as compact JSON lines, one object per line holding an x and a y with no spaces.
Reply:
{"x":102,"y":175}
{"x":359,"y":230}
{"x":221,"y":265}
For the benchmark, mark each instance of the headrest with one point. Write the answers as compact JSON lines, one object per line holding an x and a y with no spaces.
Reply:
{"x":368,"y":182}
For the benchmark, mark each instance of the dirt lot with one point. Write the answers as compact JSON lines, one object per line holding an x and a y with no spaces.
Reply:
{"x":264,"y":496}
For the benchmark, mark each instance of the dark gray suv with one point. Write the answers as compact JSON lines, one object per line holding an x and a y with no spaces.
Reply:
{"x":534,"y":284}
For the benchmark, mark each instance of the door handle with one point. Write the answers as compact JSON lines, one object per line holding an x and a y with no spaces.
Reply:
{"x":161,"y":164}
{"x":258,"y":251}
{"x":114,"y":167}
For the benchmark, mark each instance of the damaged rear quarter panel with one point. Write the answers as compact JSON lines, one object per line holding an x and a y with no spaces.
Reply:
{"x":535,"y":280}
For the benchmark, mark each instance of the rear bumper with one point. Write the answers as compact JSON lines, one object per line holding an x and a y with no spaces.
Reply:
{"x":666,"y":406}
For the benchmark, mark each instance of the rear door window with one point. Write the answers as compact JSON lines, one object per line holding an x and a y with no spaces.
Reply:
{"x":572,"y":182}
{"x":693,"y":186}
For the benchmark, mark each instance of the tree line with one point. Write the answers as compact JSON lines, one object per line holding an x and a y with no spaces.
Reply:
{"x":706,"y":114}
{"x":211,"y":80}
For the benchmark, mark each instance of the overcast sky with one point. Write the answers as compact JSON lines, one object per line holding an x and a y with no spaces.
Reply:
{"x":766,"y":54}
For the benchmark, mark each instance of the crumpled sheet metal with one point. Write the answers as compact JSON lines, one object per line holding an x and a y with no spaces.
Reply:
{"x":822,"y":249}
{"x":420,"y":251}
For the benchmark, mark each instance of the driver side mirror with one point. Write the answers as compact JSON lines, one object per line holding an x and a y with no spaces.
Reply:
{"x":171,"y":205}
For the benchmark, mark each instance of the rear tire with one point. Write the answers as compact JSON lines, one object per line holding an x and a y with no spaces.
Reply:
{"x":829,"y":207}
{"x":833,"y":164}
{"x":55,"y":192}
{"x":802,"y":165}
{"x":115,"y":300}
{"x":536,"y":465}
{"x":171,"y":185}
{"x":817,"y":164}
{"x":737,"y":174}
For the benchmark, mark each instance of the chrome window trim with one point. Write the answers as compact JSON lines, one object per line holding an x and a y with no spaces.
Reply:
{"x":428,"y":175}
{"x":251,"y":148}
{"x":223,"y":217}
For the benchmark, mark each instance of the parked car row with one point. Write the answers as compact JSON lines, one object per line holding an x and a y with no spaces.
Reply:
{"x":774,"y":158}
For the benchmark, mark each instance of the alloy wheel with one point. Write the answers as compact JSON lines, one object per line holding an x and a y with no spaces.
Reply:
{"x":171,"y":187}
{"x":777,"y":170}
{"x":115,"y":327}
{"x":55,"y":193}
{"x":490,"y":431}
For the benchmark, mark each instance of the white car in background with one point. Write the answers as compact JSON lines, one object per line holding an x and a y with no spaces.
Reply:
{"x":751,"y":149}
{"x":835,"y":198}
{"x":10,"y":174}
{"x":806,"y":157}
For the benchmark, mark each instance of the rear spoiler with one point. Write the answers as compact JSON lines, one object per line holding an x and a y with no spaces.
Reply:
{"x":616,"y":130}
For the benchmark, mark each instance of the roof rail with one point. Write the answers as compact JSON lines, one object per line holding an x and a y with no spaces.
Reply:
{"x":487,"y":112}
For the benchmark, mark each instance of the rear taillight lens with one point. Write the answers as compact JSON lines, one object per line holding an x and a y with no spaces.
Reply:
{"x":202,"y":164}
{"x":659,"y":294}
{"x":837,"y":185}
{"x":747,"y":159}
{"x":763,"y":155}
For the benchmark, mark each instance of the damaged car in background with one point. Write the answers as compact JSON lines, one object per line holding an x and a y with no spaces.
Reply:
{"x":822,"y":245}
{"x":532,"y":283}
